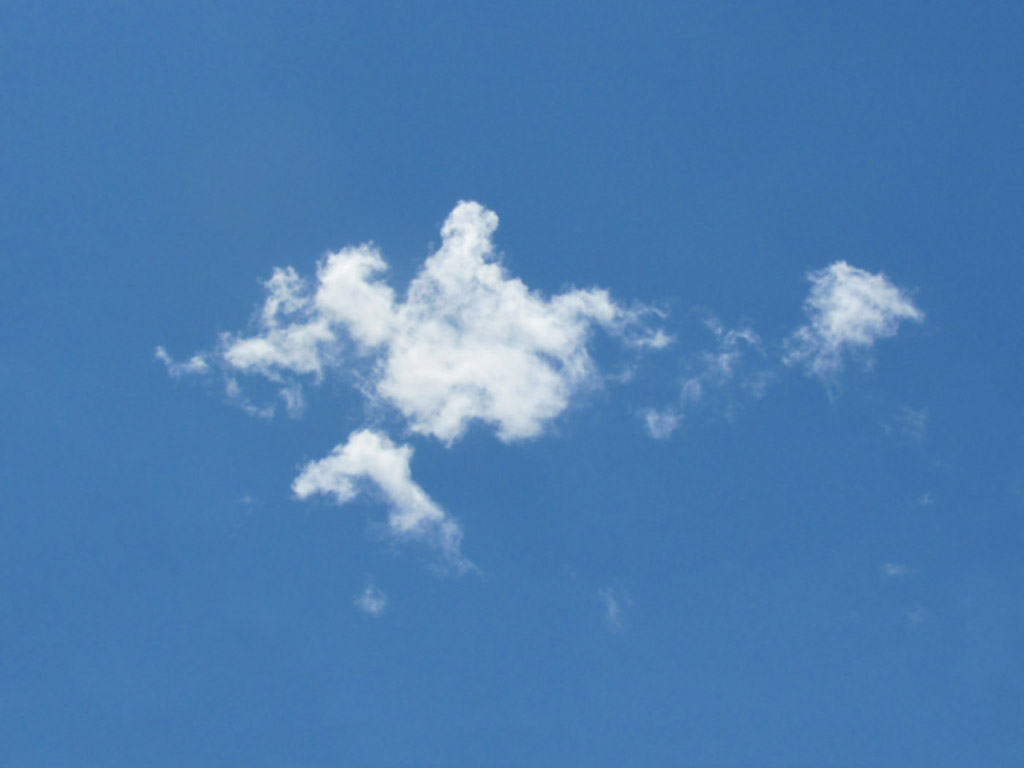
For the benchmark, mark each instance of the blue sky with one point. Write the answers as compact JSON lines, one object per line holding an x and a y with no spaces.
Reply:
{"x":534,"y":384}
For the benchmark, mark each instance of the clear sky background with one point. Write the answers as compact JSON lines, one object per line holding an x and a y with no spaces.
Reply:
{"x":810,"y":556}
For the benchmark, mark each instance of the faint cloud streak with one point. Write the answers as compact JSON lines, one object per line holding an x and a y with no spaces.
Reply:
{"x":615,"y":601}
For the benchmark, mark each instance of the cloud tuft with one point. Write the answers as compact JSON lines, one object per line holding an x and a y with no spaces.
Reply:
{"x":848,"y":309}
{"x":661,"y":424}
{"x":371,"y":456}
{"x":371,"y":600}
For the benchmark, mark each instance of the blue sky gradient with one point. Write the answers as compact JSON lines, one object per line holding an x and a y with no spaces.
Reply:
{"x":810,"y":567}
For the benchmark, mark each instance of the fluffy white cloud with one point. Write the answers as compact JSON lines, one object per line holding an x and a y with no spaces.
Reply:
{"x":472,"y":343}
{"x":349,"y":294}
{"x":371,"y":600}
{"x":468,"y":343}
{"x":292,"y":336}
{"x":371,"y":456}
{"x":848,"y":308}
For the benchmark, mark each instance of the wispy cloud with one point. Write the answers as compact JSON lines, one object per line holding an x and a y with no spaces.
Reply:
{"x":193,"y":366}
{"x":912,"y":423}
{"x":725,"y":372}
{"x":615,"y":601}
{"x":371,"y":456}
{"x":371,"y":600}
{"x":294,"y":401}
{"x":721,"y":376}
{"x":894,"y":570}
{"x":661,"y":424}
{"x":238,"y":398}
{"x":847,"y":309}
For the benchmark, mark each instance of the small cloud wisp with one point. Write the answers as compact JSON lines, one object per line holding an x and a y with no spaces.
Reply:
{"x":371,"y":601}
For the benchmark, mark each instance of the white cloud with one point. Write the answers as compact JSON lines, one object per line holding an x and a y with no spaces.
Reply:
{"x":371,"y":456}
{"x":292,"y":336}
{"x":656,"y":339}
{"x":469,"y":343}
{"x":371,"y":600}
{"x":925,"y":499}
{"x":194,"y":365}
{"x":615,"y":601}
{"x":466,"y":343}
{"x":349,"y":295}
{"x":661,"y":424}
{"x":848,"y":309}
